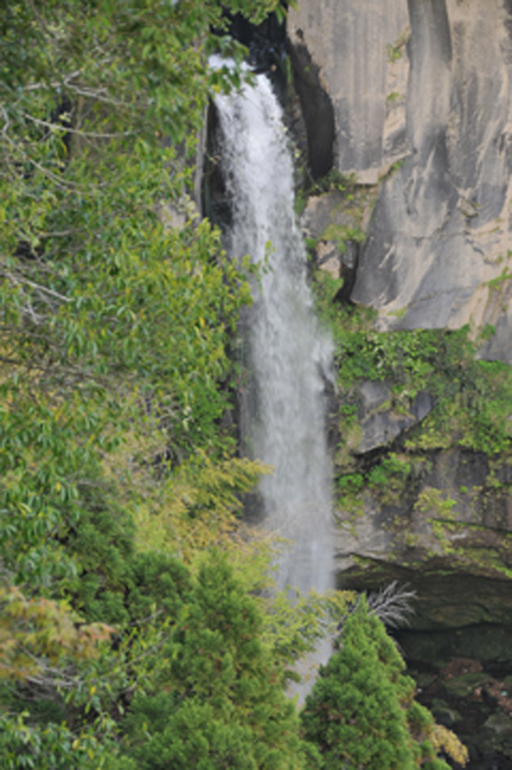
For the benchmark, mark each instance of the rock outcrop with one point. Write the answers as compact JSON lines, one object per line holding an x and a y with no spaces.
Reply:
{"x":409,"y":102}
{"x":421,"y":94}
{"x":352,"y":46}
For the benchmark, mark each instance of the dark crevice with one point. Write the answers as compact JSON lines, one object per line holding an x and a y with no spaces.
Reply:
{"x":215,"y":203}
{"x":317,"y":110}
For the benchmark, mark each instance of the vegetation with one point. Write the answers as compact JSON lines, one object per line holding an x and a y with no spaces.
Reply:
{"x":435,"y":395}
{"x":115,"y":375}
{"x":135,"y":630}
{"x":361,"y":711}
{"x":470,"y":397}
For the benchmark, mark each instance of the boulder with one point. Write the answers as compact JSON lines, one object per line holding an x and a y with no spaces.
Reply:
{"x":379,"y":423}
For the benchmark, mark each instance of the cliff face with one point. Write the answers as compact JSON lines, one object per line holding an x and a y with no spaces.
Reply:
{"x":427,"y":84}
{"x":412,"y":99}
{"x":350,"y":42}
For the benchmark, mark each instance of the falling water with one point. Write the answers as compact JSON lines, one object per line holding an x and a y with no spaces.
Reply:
{"x":289,"y":354}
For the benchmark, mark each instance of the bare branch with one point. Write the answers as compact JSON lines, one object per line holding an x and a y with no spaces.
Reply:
{"x":17,"y":281}
{"x":45,"y":290}
{"x":99,"y":94}
{"x":66,"y":129}
{"x":53,"y":84}
{"x":6,"y":119}
{"x":392,"y":604}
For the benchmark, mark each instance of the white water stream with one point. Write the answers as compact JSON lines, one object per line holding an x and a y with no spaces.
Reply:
{"x":289,"y":354}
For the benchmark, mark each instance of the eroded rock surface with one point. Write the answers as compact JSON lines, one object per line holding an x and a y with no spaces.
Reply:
{"x":428,"y":83}
{"x":352,"y":44}
{"x":421,"y":99}
{"x":329,"y":223}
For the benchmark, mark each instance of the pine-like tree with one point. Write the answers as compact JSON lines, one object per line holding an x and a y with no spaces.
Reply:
{"x":361,"y":712}
{"x":220,"y":701}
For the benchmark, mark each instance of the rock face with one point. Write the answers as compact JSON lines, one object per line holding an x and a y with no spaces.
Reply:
{"x":412,"y":99}
{"x":328,"y":223}
{"x":457,"y":516}
{"x":379,"y":424}
{"x":351,"y":44}
{"x":428,"y":84}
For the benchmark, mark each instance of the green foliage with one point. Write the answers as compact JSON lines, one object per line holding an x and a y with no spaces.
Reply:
{"x":396,"y":50}
{"x":195,"y":507}
{"x":471,"y":397}
{"x":390,"y":477}
{"x":354,"y":712}
{"x":335,"y":180}
{"x":393,"y":53}
{"x":504,"y":276}
{"x":52,"y":747}
{"x":361,"y":711}
{"x":219,"y":700}
{"x":349,"y":486}
{"x":392,"y":465}
{"x":293,"y":628}
{"x":118,"y":310}
{"x":113,"y":320}
{"x":405,"y":358}
{"x":121,"y":645}
{"x":342,"y":234}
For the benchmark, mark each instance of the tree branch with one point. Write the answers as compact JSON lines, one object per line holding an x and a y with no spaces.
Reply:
{"x":66,"y":129}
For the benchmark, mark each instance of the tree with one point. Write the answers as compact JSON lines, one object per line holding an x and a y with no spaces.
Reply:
{"x":111,"y":320}
{"x":219,"y":700}
{"x":120,"y":645}
{"x":361,"y":711}
{"x":115,"y":332}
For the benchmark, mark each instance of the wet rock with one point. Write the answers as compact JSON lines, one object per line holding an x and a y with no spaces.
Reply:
{"x":379,"y":423}
{"x":467,"y":703}
{"x":444,"y":601}
{"x":445,"y":714}
{"x":381,"y":428}
{"x":373,"y":395}
{"x":360,"y":543}
{"x":451,"y":515}
{"x":464,"y":685}
{"x":488,"y":643}
{"x":499,"y":723}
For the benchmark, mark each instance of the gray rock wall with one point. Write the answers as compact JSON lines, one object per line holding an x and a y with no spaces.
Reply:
{"x":349,"y":41}
{"x":429,"y":83}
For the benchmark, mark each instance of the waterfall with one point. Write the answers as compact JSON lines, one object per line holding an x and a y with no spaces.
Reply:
{"x":289,"y":354}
